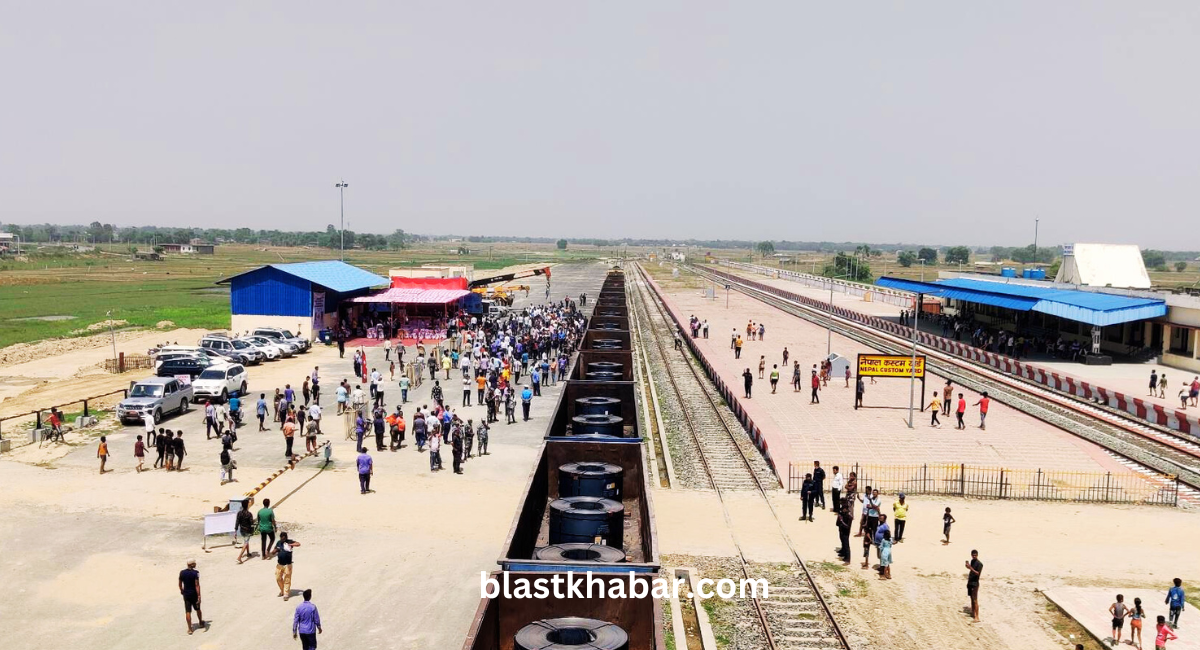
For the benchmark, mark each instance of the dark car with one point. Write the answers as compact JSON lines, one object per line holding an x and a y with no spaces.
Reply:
{"x":190,"y":366}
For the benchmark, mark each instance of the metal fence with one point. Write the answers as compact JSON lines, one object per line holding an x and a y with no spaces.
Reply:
{"x":126,"y":362}
{"x":1002,"y":483}
{"x":35,"y":417}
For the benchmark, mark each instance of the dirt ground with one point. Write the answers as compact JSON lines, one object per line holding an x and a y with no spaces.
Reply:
{"x":61,"y":369}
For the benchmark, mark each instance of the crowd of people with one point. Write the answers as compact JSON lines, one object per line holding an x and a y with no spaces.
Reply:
{"x":491,"y":355}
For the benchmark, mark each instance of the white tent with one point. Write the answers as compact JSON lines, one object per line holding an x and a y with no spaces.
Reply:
{"x":1103,"y":265}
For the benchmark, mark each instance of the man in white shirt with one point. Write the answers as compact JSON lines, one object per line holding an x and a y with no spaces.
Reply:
{"x":835,"y":489}
{"x":387,"y":349}
{"x":314,"y":414}
{"x":148,"y":420}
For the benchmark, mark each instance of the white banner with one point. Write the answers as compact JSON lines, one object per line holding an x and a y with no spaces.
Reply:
{"x":318,"y":312}
{"x":220,"y":523}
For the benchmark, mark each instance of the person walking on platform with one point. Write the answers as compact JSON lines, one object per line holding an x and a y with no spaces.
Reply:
{"x":748,"y":380}
{"x":807,"y":498}
{"x":762,"y":365}
{"x":737,"y":348}
{"x":816,"y":386}
{"x":774,"y":378}
{"x":456,"y":441}
{"x":947,"y":398}
{"x":935,"y":408}
{"x":795,"y":376}
{"x":819,"y":483}
{"x":961,"y":412}
{"x":366,"y":467}
{"x":482,"y":435}
{"x":835,"y":489}
{"x":859,"y":389}
{"x":845,"y":521}
{"x":526,"y":399}
{"x":189,"y":588}
{"x":306,"y":623}
{"x":983,"y":404}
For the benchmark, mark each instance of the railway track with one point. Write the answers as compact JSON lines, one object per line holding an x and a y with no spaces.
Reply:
{"x":795,"y":615}
{"x":1156,"y":452}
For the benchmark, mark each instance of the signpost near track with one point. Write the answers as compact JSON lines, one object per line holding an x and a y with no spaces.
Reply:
{"x":895,"y":365}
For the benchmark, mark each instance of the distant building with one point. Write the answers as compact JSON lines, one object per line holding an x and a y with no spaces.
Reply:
{"x":190,"y":249}
{"x":1119,"y":266}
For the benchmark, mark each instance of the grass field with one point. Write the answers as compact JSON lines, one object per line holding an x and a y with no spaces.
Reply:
{"x":37,"y":293}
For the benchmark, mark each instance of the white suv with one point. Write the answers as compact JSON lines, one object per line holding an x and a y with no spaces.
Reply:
{"x":266,"y":347}
{"x":278,"y":334}
{"x":217,"y":382}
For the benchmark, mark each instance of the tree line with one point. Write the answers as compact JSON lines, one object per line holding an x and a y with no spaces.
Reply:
{"x":103,"y":233}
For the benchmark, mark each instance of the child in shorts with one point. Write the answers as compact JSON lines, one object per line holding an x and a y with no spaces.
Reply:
{"x":947,"y":519}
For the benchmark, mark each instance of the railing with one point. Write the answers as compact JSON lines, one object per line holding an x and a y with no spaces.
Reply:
{"x":963,"y":480}
{"x":37,"y":414}
{"x":868,"y":292}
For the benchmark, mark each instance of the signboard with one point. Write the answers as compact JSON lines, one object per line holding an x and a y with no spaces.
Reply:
{"x":184,"y":380}
{"x":1068,"y":250}
{"x":887,"y":365}
{"x":318,"y":312}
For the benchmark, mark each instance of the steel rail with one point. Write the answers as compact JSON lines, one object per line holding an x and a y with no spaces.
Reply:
{"x":716,"y":407}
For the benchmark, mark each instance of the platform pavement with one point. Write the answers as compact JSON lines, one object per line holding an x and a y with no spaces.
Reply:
{"x":835,"y":433}
{"x":1131,"y":380}
{"x":1088,"y":606}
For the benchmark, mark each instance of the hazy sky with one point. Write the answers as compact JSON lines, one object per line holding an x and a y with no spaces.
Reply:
{"x":949,"y":122}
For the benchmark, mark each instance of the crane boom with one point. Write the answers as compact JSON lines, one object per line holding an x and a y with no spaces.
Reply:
{"x":483,"y":282}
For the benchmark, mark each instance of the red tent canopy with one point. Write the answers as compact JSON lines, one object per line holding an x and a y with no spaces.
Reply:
{"x":399,"y":282}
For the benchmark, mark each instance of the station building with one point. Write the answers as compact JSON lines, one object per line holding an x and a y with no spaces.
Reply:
{"x":1100,"y":299}
{"x":304,"y":297}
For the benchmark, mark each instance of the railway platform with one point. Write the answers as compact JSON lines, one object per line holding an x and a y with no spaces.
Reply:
{"x":1131,"y":380}
{"x":837,"y":434}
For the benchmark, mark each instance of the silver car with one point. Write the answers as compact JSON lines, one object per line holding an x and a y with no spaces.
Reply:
{"x":155,"y":395}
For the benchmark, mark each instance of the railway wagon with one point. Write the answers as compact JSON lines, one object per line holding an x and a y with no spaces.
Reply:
{"x":617,"y":398}
{"x":498,"y":620}
{"x":609,"y":318}
{"x":594,"y":339}
{"x":530,"y":534}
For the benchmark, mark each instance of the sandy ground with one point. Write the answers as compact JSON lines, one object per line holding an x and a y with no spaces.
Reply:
{"x":51,"y":375}
{"x":1025,"y":546}
{"x":92,"y":561}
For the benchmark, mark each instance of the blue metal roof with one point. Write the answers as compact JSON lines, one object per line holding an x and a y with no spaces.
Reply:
{"x":332,"y":274}
{"x":1093,"y":308}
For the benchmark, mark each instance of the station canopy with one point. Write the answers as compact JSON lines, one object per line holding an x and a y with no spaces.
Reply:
{"x":411,"y":296}
{"x":1091,"y":307}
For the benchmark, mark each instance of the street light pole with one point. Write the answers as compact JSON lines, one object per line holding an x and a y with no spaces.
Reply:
{"x":1035,"y":234}
{"x":108,"y":317}
{"x":912,"y":378}
{"x":342,"y":185}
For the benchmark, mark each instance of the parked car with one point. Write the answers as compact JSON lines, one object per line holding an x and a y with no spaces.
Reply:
{"x":190,"y":366}
{"x":218,"y":381}
{"x":270,"y":351}
{"x":224,"y":346}
{"x":285,"y":349}
{"x":280,"y":334}
{"x":155,"y":395}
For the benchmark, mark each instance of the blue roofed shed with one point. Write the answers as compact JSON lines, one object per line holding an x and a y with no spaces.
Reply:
{"x":303,"y":295}
{"x":1090,"y":307}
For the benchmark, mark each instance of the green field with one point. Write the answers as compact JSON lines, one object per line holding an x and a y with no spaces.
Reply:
{"x":183,"y":289}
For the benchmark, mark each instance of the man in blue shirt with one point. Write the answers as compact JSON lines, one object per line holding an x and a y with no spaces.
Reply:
{"x":261,"y":409}
{"x":366,"y":467}
{"x":306,"y":623}
{"x":1175,"y":602}
{"x":536,"y":379}
{"x":526,"y":398}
